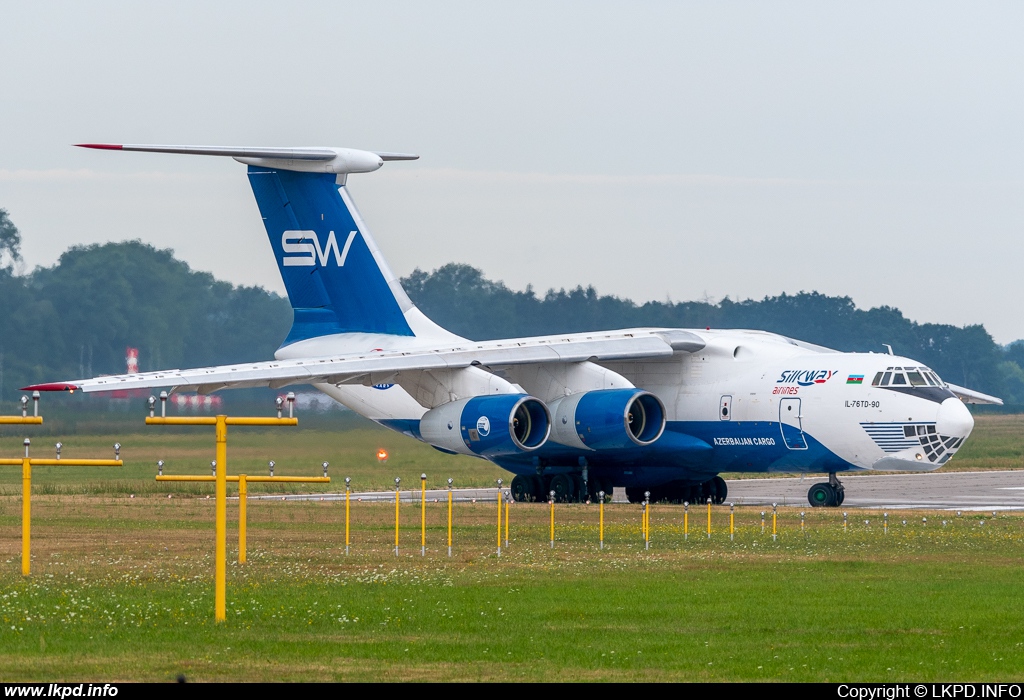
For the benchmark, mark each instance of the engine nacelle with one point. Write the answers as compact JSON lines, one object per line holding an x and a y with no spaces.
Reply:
{"x":608,"y":419}
{"x":489,"y":426}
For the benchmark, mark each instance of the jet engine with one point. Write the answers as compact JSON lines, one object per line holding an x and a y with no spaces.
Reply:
{"x":489,"y":426}
{"x":608,"y":419}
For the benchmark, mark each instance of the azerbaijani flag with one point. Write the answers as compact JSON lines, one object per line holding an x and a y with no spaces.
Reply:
{"x":855,"y":379}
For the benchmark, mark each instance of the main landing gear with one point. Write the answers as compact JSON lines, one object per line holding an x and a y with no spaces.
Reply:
{"x":830,"y":494}
{"x":714,"y":488}
{"x":568,"y":488}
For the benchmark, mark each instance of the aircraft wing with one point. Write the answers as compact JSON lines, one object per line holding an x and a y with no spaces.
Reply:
{"x":971,"y":396}
{"x":350,"y":369}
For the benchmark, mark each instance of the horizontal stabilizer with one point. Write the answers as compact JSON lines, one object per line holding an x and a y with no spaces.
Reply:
{"x":243,"y":152}
{"x":341,"y":161}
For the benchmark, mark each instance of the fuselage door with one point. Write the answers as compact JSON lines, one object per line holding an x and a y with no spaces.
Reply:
{"x":725,"y":408}
{"x":791,"y":423}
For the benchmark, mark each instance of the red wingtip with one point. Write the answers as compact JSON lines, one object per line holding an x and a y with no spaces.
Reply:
{"x":52,"y":386}
{"x":101,"y":146}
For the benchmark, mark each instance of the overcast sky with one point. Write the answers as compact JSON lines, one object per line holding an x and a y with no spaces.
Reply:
{"x":655,"y":150}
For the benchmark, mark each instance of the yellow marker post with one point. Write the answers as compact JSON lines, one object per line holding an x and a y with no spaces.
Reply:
{"x":348,"y":482}
{"x":647,"y":519}
{"x":220,"y":423}
{"x":686,"y":521}
{"x":221,"y":515}
{"x":709,"y":518}
{"x":397,"y":492}
{"x":26,"y":463}
{"x":242,"y":498}
{"x":647,"y":524}
{"x":449,"y":517}
{"x":423,"y":515}
{"x":26,"y":514}
{"x":551,"y":502}
{"x":600,"y":529}
{"x":775,"y":507}
{"x":508,"y":503}
{"x":732,"y":521}
{"x":499,"y":517}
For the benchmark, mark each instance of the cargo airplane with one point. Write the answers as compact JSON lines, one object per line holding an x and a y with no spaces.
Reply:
{"x":662,"y":410}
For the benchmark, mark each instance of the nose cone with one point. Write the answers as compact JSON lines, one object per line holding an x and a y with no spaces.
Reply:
{"x":954,"y":419}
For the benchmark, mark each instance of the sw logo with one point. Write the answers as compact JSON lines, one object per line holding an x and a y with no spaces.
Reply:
{"x":302,"y":249}
{"x":805,"y":377}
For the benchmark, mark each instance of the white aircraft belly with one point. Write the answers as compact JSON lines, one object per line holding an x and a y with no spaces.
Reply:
{"x":392,"y":403}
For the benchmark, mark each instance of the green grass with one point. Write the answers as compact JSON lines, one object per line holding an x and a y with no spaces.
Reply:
{"x":997,"y":442}
{"x":121,"y":589}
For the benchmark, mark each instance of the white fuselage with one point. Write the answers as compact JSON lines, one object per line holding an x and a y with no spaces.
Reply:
{"x":761,"y":401}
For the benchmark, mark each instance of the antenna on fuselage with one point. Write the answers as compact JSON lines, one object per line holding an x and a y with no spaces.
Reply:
{"x":889,"y":347}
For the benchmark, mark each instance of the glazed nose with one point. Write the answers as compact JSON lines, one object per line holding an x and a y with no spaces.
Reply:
{"x":954,"y":419}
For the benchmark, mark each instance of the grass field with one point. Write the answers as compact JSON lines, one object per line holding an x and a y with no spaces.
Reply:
{"x":122,"y":587}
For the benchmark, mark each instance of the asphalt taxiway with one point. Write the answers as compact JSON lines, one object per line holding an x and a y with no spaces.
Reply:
{"x":987,"y":490}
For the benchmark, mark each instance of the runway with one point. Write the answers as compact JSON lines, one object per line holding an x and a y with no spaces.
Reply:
{"x":988,"y":490}
{"x":969,"y":491}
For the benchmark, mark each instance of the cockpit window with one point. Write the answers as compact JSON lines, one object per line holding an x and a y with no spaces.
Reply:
{"x":915,"y":379}
{"x":904,"y":376}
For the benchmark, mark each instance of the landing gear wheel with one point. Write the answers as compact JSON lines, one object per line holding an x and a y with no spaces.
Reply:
{"x":675,"y":493}
{"x":720,"y":489}
{"x":522,"y":489}
{"x":608,"y":488}
{"x":579,"y":489}
{"x":693,"y":494}
{"x":822,"y":495}
{"x":840,"y":496}
{"x":540,"y":490}
{"x":563,"y":486}
{"x":707,"y":490}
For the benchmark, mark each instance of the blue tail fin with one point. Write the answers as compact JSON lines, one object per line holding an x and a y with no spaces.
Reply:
{"x":336,"y":279}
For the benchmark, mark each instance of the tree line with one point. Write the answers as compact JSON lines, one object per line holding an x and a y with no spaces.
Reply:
{"x":76,"y":318}
{"x":462,"y":300}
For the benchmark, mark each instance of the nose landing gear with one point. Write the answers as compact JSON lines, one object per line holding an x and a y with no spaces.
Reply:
{"x":830,"y":494}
